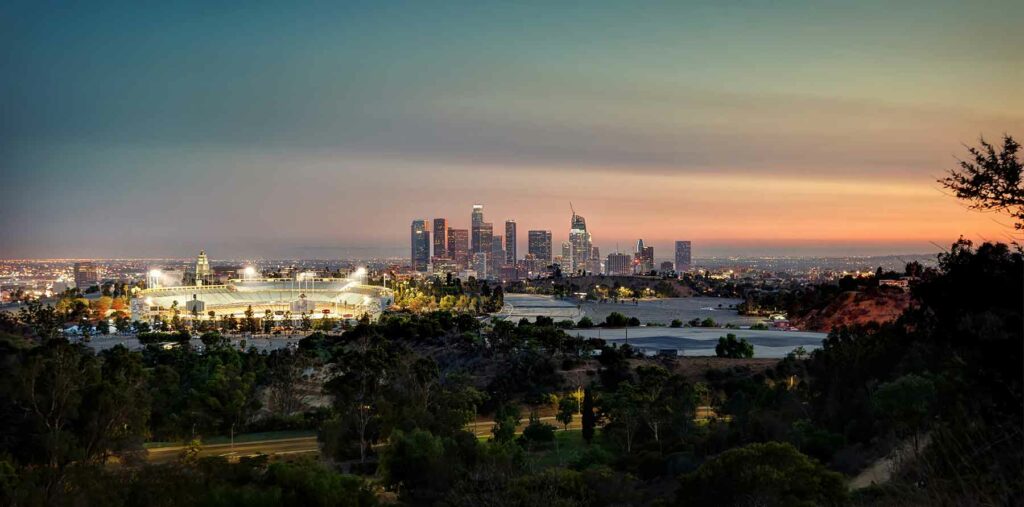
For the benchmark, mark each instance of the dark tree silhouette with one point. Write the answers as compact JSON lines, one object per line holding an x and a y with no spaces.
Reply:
{"x":990,"y":179}
{"x":589,"y":420}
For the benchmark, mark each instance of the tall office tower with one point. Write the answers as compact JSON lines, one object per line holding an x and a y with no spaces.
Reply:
{"x":682,"y":256}
{"x":619,"y":264}
{"x":441,"y":238}
{"x":203,"y":272}
{"x":420,"y":239}
{"x":510,"y":243}
{"x":480,"y":265}
{"x":643,"y":258}
{"x":86,"y":275}
{"x":497,"y":258}
{"x":594,"y":263}
{"x":458,"y":246}
{"x":638,"y":256}
{"x":539,"y":245}
{"x":476,"y":221}
{"x":579,"y":238}
{"x":566,"y":257}
{"x":486,"y":237}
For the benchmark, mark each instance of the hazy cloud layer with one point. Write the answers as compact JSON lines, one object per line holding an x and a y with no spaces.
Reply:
{"x":147,"y":130}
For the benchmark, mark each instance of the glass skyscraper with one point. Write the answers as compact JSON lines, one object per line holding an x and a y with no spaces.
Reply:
{"x":420,"y":239}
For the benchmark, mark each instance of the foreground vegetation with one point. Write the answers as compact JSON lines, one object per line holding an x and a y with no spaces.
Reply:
{"x":391,"y":402}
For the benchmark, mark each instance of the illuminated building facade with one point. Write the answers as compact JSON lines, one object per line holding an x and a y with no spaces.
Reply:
{"x":420,"y":245}
{"x":510,"y":243}
{"x":580,"y":244}
{"x":458,"y":246}
{"x":441,"y":238}
{"x":683,"y":256}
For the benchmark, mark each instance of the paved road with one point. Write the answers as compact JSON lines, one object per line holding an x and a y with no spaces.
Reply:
{"x":302,"y":445}
{"x":104,"y":342}
{"x":282,"y":446}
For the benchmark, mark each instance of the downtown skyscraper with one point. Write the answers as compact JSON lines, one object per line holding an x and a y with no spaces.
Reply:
{"x":643,"y":257}
{"x":420,"y":245}
{"x":580,"y":244}
{"x":476,"y":221}
{"x":539,"y":245}
{"x":683,"y":260}
{"x":458,"y":246}
{"x":441,"y":238}
{"x":510,"y":242}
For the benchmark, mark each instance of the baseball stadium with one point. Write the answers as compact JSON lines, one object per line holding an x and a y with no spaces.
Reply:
{"x":287,"y":299}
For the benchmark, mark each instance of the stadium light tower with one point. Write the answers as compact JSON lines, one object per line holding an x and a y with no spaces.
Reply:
{"x":154,"y":279}
{"x":250,"y":272}
{"x":360,"y":275}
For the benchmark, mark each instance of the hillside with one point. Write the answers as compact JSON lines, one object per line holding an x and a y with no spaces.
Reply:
{"x":855,"y":307}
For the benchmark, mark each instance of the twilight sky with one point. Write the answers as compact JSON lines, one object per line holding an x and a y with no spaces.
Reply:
{"x":143,"y":129}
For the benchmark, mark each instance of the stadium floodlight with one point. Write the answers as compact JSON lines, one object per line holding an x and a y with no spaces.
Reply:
{"x":250,"y":272}
{"x":155,"y":278}
{"x":360,"y":274}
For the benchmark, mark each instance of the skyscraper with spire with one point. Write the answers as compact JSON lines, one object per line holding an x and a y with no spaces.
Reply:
{"x":580,"y":242}
{"x":643,"y":258}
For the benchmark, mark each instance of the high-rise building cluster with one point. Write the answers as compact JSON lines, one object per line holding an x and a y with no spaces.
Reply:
{"x":480,"y":252}
{"x":477,"y":249}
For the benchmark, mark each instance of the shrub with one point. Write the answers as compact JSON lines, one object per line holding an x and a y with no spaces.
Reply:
{"x":772,"y":473}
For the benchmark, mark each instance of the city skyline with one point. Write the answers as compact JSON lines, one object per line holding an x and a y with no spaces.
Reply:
{"x":134,"y":131}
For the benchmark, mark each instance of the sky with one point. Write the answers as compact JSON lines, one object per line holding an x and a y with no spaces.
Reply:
{"x":155,"y":129}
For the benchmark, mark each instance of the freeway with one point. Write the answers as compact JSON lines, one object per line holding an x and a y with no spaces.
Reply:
{"x":301,"y":445}
{"x":277,"y":447}
{"x":308,"y":444}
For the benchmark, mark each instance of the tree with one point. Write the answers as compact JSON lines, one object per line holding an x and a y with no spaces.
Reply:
{"x":769,"y":474}
{"x":414,"y":463}
{"x":616,"y":319}
{"x":268,"y":321}
{"x":70,"y":407}
{"x":213,"y":340}
{"x":905,"y":404}
{"x":287,"y":382}
{"x":249,"y":324}
{"x":729,"y":346}
{"x":588,"y":419}
{"x":991,"y":179}
{"x":567,"y":407}
{"x":585,"y":323}
{"x":358,"y":390}
{"x":506,"y":420}
{"x":537,"y":432}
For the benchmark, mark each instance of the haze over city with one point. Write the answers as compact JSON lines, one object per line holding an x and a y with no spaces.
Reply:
{"x":273,"y":131}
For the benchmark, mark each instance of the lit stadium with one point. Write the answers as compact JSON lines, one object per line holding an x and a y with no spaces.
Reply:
{"x":286,"y":298}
